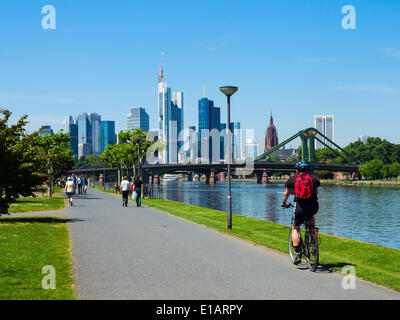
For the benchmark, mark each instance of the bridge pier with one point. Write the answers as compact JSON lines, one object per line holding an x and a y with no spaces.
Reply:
{"x":265,"y":179}
{"x":190,"y":176}
{"x":101,"y":180}
{"x":210,"y":178}
{"x":156,"y":180}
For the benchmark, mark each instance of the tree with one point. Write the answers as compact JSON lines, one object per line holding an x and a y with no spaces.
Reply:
{"x":55,"y":153}
{"x":132,"y":139}
{"x":386,"y":171}
{"x":372,"y":169}
{"x":18,"y":166}
{"x":394,"y":170}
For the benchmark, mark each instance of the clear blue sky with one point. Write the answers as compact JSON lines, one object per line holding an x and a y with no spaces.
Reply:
{"x":290,"y":57}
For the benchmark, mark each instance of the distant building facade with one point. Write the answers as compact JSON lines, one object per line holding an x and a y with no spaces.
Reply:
{"x":107,"y":134}
{"x":271,"y":135}
{"x":138,"y":118}
{"x":325,"y":125}
{"x":209,"y":123}
{"x":45,"y":131}
{"x":363,"y":139}
{"x":170,"y":119}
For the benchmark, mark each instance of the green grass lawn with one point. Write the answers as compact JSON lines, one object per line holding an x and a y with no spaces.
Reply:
{"x":27,"y":245}
{"x":39,"y":203}
{"x":374,"y":263}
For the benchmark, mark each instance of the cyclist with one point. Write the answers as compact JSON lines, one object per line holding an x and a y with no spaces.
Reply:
{"x":305,"y":188}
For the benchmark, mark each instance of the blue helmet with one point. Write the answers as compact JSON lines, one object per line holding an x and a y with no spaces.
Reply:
{"x":302,"y":166}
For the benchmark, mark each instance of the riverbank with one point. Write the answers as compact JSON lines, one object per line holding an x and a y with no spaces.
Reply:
{"x":28,"y":245}
{"x":363,"y":183}
{"x":373,"y":263}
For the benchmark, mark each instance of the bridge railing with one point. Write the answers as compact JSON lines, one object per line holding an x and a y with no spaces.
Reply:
{"x":153,"y":191}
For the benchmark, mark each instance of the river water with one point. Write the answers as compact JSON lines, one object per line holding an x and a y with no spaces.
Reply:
{"x":366,"y":214}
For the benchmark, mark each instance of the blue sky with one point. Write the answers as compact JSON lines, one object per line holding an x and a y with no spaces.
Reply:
{"x":289,"y":57}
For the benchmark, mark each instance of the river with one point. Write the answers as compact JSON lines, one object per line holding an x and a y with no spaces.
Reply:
{"x":366,"y":214}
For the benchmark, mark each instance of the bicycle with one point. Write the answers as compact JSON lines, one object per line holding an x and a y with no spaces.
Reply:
{"x":309,"y":248}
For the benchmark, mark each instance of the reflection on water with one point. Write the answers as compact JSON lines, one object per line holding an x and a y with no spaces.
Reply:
{"x":365,"y":214}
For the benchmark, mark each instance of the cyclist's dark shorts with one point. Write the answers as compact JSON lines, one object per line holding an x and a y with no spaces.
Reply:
{"x":302,"y":210}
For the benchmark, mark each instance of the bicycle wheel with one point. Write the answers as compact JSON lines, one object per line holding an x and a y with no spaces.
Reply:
{"x":312,"y":251}
{"x":292,"y":252}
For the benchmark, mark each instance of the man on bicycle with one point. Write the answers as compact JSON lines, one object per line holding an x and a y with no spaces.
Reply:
{"x":305,"y":188}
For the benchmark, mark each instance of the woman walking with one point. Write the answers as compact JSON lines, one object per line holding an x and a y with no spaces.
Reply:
{"x":69,"y":191}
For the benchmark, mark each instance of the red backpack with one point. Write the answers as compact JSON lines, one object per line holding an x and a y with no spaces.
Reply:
{"x":304,"y":186}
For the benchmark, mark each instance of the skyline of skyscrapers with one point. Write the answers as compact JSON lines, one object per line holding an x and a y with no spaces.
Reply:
{"x":89,"y":134}
{"x":326,"y":125}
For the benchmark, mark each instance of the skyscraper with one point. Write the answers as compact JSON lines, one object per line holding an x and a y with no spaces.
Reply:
{"x":170,"y":118}
{"x":271,"y":135}
{"x":71,"y":128}
{"x":325,"y":125}
{"x":107,"y":134}
{"x":95,"y":123}
{"x":138,"y":118}
{"x":209,"y":119}
{"x":84,"y":134}
{"x":236,"y":141}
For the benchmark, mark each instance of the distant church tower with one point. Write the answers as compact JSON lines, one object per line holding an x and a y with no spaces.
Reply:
{"x":271,"y":136}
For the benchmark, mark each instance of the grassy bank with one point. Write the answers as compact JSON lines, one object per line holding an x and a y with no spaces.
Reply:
{"x":39,"y":203}
{"x":27,"y":245}
{"x":374,"y":263}
{"x":363,"y":183}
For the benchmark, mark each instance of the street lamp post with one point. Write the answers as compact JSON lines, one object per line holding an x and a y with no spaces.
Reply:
{"x":229,"y":91}
{"x":139,"y":141}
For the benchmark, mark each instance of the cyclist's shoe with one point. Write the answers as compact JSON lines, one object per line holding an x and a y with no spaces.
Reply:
{"x":297,"y":259}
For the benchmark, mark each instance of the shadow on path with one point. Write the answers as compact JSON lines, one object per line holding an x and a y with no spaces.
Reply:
{"x":49,"y":220}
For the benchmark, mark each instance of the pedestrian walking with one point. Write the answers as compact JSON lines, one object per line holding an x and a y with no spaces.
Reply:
{"x":125,"y":189}
{"x":137,"y":186}
{"x":84,"y":184}
{"x":79,"y":184}
{"x":70,"y":191}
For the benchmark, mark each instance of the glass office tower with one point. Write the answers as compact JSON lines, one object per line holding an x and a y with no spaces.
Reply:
{"x":209,"y":120}
{"x":138,"y":118}
{"x":107,"y":134}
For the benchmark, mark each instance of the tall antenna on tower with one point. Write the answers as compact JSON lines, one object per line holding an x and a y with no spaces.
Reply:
{"x":204,"y":90}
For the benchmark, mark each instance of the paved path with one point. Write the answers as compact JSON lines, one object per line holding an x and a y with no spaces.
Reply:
{"x":142,"y":253}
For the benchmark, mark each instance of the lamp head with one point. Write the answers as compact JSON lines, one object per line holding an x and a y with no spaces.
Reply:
{"x":228,"y":90}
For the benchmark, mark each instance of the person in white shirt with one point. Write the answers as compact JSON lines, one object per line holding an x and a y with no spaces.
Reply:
{"x":125,"y":189}
{"x":69,"y":191}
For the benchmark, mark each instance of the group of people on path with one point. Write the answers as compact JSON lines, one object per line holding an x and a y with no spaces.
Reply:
{"x":72,"y":184}
{"x":135,"y":189}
